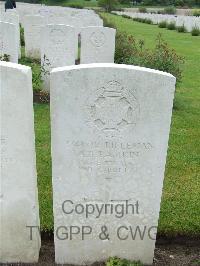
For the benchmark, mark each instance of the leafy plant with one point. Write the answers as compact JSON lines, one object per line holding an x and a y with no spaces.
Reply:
{"x":108,"y":5}
{"x":195,"y":31}
{"x":46,"y":62}
{"x":125,"y":16}
{"x":170,"y":10}
{"x":143,"y":20}
{"x":122,"y":262}
{"x":36,"y":71}
{"x":196,"y":13}
{"x":179,"y":3}
{"x":171,"y":26}
{"x":142,"y":10}
{"x":148,"y":21}
{"x":133,"y":52}
{"x":76,"y":5}
{"x":5,"y":57}
{"x":162,"y":24}
{"x":181,"y":28}
{"x":124,"y":2}
{"x":124,"y":48}
{"x":22,"y":36}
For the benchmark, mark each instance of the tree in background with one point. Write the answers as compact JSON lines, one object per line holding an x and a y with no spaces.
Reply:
{"x":125,"y":2}
{"x":108,"y":5}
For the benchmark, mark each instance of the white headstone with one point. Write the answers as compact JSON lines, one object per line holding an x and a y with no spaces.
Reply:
{"x":44,"y":12}
{"x":110,"y":129}
{"x":18,"y":190}
{"x":8,"y":42}
{"x":2,"y":6}
{"x":32,"y":35}
{"x":14,"y":19}
{"x":58,"y":48}
{"x":92,"y":20}
{"x":97,"y":45}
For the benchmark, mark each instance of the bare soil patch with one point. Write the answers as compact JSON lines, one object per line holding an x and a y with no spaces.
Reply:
{"x":168,"y":252}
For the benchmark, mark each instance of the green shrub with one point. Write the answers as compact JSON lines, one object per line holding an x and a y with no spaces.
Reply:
{"x":125,"y":16}
{"x":124,"y":2}
{"x":142,"y":10}
{"x":124,"y":48}
{"x":171,"y":26}
{"x":36,"y":71}
{"x":75,"y":5}
{"x":162,"y":24}
{"x":5,"y":57}
{"x":161,"y":57}
{"x":121,"y":262}
{"x":181,"y":28}
{"x":179,"y":3}
{"x":108,"y":5}
{"x":22,"y":36}
{"x":143,"y":20}
{"x":148,"y":21}
{"x":195,"y":31}
{"x":170,"y":10}
{"x":196,"y":13}
{"x":108,"y":23}
{"x":137,"y":19}
{"x":131,"y":51}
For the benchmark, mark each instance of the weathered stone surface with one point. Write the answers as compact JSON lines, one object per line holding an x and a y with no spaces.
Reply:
{"x":18,"y":190}
{"x":59,"y":44}
{"x":8,"y":42}
{"x":110,"y":129}
{"x":97,"y":45}
{"x":32,"y":35}
{"x":13,"y":18}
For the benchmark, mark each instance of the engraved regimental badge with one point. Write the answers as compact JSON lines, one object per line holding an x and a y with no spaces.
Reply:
{"x":113,"y":110}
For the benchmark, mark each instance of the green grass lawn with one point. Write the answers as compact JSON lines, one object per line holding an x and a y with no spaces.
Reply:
{"x":181,"y":195}
{"x":43,"y":139}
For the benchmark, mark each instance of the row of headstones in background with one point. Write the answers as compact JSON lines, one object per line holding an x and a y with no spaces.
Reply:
{"x":51,"y":15}
{"x":110,"y":127}
{"x":61,"y":15}
{"x":33,"y":25}
{"x":76,"y":18}
{"x":59,"y":45}
{"x":98,"y":43}
{"x":32,"y":35}
{"x":56,"y":15}
{"x":18,"y":190}
{"x":8,"y":42}
{"x":188,"y":21}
